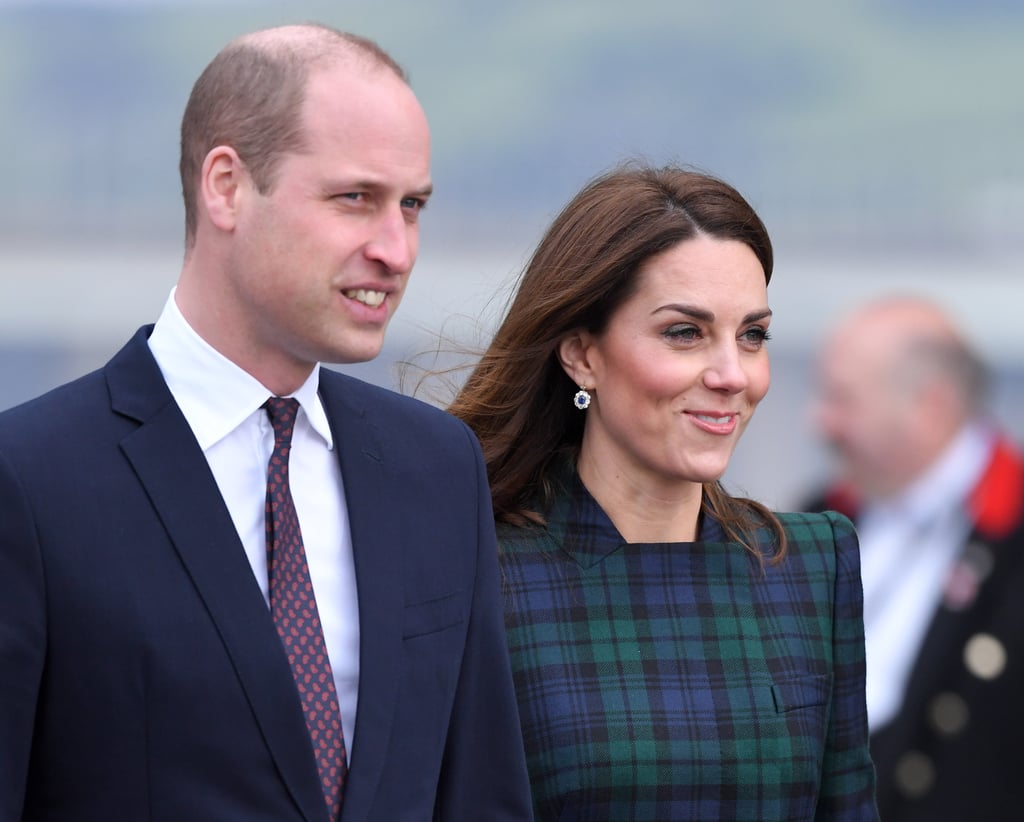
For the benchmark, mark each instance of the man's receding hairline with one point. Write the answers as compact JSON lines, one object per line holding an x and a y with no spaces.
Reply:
{"x":313,"y":43}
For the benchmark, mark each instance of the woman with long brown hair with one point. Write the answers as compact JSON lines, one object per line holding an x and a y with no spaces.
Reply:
{"x":679,"y":652}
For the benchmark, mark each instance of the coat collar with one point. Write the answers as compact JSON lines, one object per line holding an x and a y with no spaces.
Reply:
{"x":997,"y":501}
{"x":578,"y":523}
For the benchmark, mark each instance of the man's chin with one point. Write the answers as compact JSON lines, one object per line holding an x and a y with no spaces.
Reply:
{"x":354,"y":354}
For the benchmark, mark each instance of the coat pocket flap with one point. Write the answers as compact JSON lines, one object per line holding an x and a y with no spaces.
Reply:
{"x":802,"y":692}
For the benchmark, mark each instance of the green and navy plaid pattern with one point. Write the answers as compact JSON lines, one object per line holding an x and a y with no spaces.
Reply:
{"x":682,"y":681}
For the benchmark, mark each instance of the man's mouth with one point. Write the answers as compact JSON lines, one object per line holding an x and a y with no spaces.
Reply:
{"x":366,"y":296}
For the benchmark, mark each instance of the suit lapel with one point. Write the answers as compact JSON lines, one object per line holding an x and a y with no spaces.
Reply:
{"x":169,"y":464}
{"x":377,"y":547}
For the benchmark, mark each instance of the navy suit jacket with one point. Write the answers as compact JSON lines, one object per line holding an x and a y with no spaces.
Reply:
{"x":141,"y":677}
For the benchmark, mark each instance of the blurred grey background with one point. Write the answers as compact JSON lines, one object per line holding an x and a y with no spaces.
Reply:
{"x":880,"y":140}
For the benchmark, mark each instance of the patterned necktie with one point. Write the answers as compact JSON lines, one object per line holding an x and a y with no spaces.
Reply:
{"x":295,"y":614}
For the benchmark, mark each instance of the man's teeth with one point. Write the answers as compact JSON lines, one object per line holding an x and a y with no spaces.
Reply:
{"x":365,"y":296}
{"x":715,"y":420}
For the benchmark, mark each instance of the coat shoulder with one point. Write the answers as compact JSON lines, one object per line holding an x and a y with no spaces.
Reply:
{"x":801,"y":525}
{"x":827,"y":537}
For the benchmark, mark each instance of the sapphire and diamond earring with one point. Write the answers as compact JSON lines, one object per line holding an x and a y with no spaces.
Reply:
{"x":582,"y":398}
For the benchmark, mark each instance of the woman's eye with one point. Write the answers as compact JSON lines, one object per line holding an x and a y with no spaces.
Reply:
{"x":681,"y":332}
{"x":756,"y":336}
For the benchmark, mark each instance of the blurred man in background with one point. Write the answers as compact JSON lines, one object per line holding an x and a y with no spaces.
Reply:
{"x":937,"y":493}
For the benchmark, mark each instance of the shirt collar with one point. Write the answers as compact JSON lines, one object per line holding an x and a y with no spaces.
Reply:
{"x":214,"y":394}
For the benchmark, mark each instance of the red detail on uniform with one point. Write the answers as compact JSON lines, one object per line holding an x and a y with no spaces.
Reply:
{"x":997,"y":502}
{"x":841,"y":498}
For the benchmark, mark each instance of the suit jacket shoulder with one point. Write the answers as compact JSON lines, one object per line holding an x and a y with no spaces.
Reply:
{"x":397,"y":416}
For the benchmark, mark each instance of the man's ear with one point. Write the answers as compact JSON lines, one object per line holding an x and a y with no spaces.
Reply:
{"x":575,"y":353}
{"x":221,"y":186}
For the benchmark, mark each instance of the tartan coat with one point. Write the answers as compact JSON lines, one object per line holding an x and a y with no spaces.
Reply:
{"x":686,"y":680}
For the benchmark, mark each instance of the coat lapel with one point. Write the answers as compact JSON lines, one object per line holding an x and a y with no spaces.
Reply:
{"x":377,"y":547}
{"x":169,"y":464}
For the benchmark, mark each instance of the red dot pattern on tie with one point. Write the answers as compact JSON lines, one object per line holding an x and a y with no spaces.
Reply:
{"x":293,"y":607}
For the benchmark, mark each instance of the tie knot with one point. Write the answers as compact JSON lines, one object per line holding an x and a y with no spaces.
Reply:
{"x":282,"y":411}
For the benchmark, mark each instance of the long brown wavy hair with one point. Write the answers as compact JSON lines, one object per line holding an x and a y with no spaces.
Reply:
{"x":518,"y":398}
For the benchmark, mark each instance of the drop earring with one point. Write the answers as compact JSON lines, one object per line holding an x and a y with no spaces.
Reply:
{"x":582,"y":399}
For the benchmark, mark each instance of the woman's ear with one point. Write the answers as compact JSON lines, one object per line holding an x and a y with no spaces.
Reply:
{"x":574,"y":353}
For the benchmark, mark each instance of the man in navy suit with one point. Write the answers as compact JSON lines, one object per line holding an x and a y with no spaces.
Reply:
{"x":142,"y":674}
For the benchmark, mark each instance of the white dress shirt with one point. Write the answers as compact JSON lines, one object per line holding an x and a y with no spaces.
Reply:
{"x":222,"y":404}
{"x":908,"y":547}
